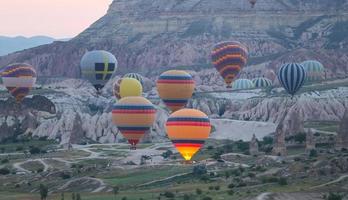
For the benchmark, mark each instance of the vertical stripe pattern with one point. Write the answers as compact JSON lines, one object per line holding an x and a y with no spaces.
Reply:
{"x":292,"y":77}
{"x":229,"y":58}
{"x":175,"y":88}
{"x":188,"y":129}
{"x":19,"y":78}
{"x":133,"y":116}
{"x":262,"y":82}
{"x":242,"y":84}
{"x":314,"y":69}
{"x":135,"y":76}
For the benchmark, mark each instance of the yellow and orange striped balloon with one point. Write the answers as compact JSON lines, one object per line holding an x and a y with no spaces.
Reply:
{"x":133,"y":116}
{"x":175,"y":88}
{"x":188,"y":129}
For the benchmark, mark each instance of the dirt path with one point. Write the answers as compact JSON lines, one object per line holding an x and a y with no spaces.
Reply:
{"x":164,"y":179}
{"x":263,"y":196}
{"x":100,"y":188}
{"x":21,"y":169}
{"x":331,"y":182}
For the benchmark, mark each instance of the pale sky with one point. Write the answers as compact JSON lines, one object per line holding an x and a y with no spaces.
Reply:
{"x":55,"y":18}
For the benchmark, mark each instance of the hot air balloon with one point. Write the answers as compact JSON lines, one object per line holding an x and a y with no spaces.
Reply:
{"x":262,"y":82}
{"x":292,"y":76}
{"x":188,"y":129}
{"x":228,"y":59}
{"x":130,"y":87}
{"x":98,"y":67}
{"x":243,"y":84}
{"x":133,"y":116}
{"x":252,"y":2}
{"x":19,"y":78}
{"x":314,"y":69}
{"x":116,"y":88}
{"x":175,"y":88}
{"x":135,"y":76}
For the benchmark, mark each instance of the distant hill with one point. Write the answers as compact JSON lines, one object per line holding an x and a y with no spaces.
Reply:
{"x":151,"y":36}
{"x":12,"y":44}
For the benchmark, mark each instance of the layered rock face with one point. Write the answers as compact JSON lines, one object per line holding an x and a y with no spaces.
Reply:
{"x":149,"y":36}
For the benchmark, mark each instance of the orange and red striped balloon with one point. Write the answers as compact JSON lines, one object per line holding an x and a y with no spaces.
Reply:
{"x":175,"y":88}
{"x":133,"y":116}
{"x":229,"y":58}
{"x":19,"y":78}
{"x":188,"y":129}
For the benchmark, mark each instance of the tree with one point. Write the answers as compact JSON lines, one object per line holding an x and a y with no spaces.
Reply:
{"x":4,"y":171}
{"x":199,"y":170}
{"x":199,"y":191}
{"x":34,"y":150}
{"x":43,"y":192}
{"x":62,"y":196}
{"x":73,"y":196}
{"x":78,"y":196}
{"x":115,"y":190}
{"x":300,"y":138}
{"x":334,"y":196}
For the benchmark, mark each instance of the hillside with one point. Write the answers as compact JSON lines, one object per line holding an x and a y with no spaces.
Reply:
{"x":149,"y":36}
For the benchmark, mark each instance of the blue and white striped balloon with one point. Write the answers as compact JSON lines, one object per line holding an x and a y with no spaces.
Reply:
{"x":242,"y":84}
{"x":314,"y":69}
{"x":292,"y":77}
{"x":262,"y":82}
{"x":135,"y":76}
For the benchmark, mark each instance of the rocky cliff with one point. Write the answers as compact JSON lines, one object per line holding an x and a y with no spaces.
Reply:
{"x":149,"y":36}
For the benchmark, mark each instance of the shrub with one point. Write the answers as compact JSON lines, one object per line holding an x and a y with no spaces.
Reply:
{"x":231,"y":185}
{"x":167,"y":154}
{"x":5,"y":160}
{"x":34,"y":150}
{"x":313,"y":153}
{"x":207,"y":198}
{"x":199,"y":191}
{"x":199,"y":170}
{"x":4,"y":171}
{"x":169,"y":194}
{"x":217,"y":187}
{"x":334,"y":196}
{"x":283,"y":181}
{"x":231,"y":192}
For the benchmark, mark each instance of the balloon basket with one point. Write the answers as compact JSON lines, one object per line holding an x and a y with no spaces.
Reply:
{"x":133,"y":148}
{"x":187,"y":162}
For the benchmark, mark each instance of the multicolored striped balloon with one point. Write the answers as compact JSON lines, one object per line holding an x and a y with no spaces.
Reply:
{"x":98,"y":67}
{"x":188,"y":129}
{"x":262,"y":82}
{"x":175,"y":88}
{"x":19,"y":78}
{"x":314,"y":69}
{"x":116,"y":88}
{"x":243,"y":84}
{"x":229,"y":58}
{"x":133,"y":116}
{"x":135,"y":76}
{"x":292,"y":77}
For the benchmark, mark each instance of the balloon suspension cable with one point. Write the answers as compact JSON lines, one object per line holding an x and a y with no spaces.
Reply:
{"x":133,"y":148}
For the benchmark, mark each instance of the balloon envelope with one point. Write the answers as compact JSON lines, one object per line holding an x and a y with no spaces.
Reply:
{"x":130,"y":87}
{"x":175,"y":88}
{"x":292,"y":76}
{"x":133,"y":116}
{"x":188,"y":129}
{"x":135,"y":76}
{"x":314,"y":69}
{"x":19,"y":78}
{"x":116,"y":88}
{"x":262,"y":82}
{"x":98,"y":67}
{"x":243,"y":84}
{"x":229,"y":58}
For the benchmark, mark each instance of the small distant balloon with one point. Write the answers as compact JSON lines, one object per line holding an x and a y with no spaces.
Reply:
{"x":19,"y":78}
{"x":229,"y":58}
{"x":135,"y":76}
{"x":130,"y":87}
{"x":262,"y":82}
{"x":98,"y":67}
{"x":292,"y":77}
{"x":314,"y":69}
{"x":243,"y":84}
{"x":252,"y":3}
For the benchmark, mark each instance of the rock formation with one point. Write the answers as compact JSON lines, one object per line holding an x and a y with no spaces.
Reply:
{"x":254,"y":146}
{"x":342,"y":135}
{"x":310,"y":140}
{"x":279,"y":146}
{"x":149,"y":36}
